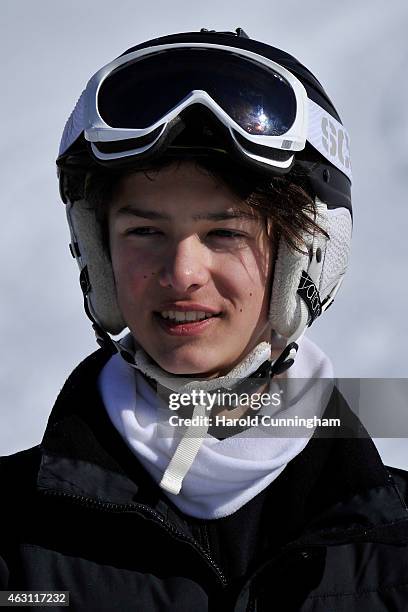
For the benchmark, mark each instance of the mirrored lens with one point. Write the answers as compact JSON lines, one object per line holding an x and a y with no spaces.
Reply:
{"x":138,"y":94}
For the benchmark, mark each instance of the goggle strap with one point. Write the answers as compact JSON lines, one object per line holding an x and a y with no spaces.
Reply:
{"x":329,"y":137}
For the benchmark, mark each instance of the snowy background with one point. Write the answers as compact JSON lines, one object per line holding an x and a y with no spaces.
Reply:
{"x":358,"y":50}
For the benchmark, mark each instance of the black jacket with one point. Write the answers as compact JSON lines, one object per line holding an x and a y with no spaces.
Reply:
{"x":79,"y":513}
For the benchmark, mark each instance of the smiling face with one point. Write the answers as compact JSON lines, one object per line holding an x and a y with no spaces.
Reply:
{"x":183,"y":244}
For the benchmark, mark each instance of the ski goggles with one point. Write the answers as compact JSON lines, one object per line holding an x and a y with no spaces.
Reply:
{"x":129,"y":105}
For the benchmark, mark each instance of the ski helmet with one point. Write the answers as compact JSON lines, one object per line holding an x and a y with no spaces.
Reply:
{"x":208,"y":91}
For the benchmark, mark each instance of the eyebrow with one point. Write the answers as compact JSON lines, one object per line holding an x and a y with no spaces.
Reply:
{"x":211,"y":216}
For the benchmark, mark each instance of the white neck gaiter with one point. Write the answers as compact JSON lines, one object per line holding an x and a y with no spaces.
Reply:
{"x":225,"y":474}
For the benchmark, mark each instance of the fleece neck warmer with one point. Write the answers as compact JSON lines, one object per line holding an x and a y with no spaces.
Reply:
{"x":226,"y":473}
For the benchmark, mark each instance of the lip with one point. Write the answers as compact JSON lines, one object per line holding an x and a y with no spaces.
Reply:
{"x":187,"y":328}
{"x":187,"y":306}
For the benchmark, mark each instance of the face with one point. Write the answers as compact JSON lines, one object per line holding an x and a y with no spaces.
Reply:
{"x":184,"y":247}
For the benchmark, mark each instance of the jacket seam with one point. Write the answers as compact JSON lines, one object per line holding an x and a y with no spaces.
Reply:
{"x":353,"y":530}
{"x":360,"y":593}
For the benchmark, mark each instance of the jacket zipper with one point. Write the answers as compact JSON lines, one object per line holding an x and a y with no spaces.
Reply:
{"x":147,"y":513}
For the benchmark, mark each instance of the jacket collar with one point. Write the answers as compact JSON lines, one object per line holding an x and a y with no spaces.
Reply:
{"x":334,"y":489}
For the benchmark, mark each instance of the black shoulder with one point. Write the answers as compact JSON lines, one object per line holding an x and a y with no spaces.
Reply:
{"x":18,"y":472}
{"x":400,"y":478}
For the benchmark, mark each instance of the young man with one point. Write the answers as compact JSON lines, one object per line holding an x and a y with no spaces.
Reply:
{"x":206,"y":178}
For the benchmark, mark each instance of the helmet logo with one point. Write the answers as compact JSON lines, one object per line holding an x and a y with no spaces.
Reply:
{"x":336,"y":142}
{"x":308,"y":291}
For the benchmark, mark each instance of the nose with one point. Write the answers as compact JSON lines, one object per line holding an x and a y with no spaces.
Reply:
{"x":186,"y":266}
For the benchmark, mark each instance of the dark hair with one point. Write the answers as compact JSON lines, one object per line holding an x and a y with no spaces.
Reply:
{"x":285,"y":200}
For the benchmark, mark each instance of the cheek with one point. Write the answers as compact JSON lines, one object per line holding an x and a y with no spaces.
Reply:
{"x":131,"y":273}
{"x":244,"y":281}
{"x":255,"y":282}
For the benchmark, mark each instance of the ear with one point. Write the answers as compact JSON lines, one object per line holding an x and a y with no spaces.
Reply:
{"x":289,"y":313}
{"x":86,"y":236}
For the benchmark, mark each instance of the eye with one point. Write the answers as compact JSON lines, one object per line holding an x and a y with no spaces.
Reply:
{"x":224,"y":233}
{"x":142,"y":231}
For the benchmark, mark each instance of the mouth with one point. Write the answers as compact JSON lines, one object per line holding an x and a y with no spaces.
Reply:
{"x":186,"y":323}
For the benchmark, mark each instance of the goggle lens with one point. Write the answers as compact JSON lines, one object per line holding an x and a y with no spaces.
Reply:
{"x":140,"y":93}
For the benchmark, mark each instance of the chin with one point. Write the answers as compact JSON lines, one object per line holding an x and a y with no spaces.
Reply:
{"x":188,"y":368}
